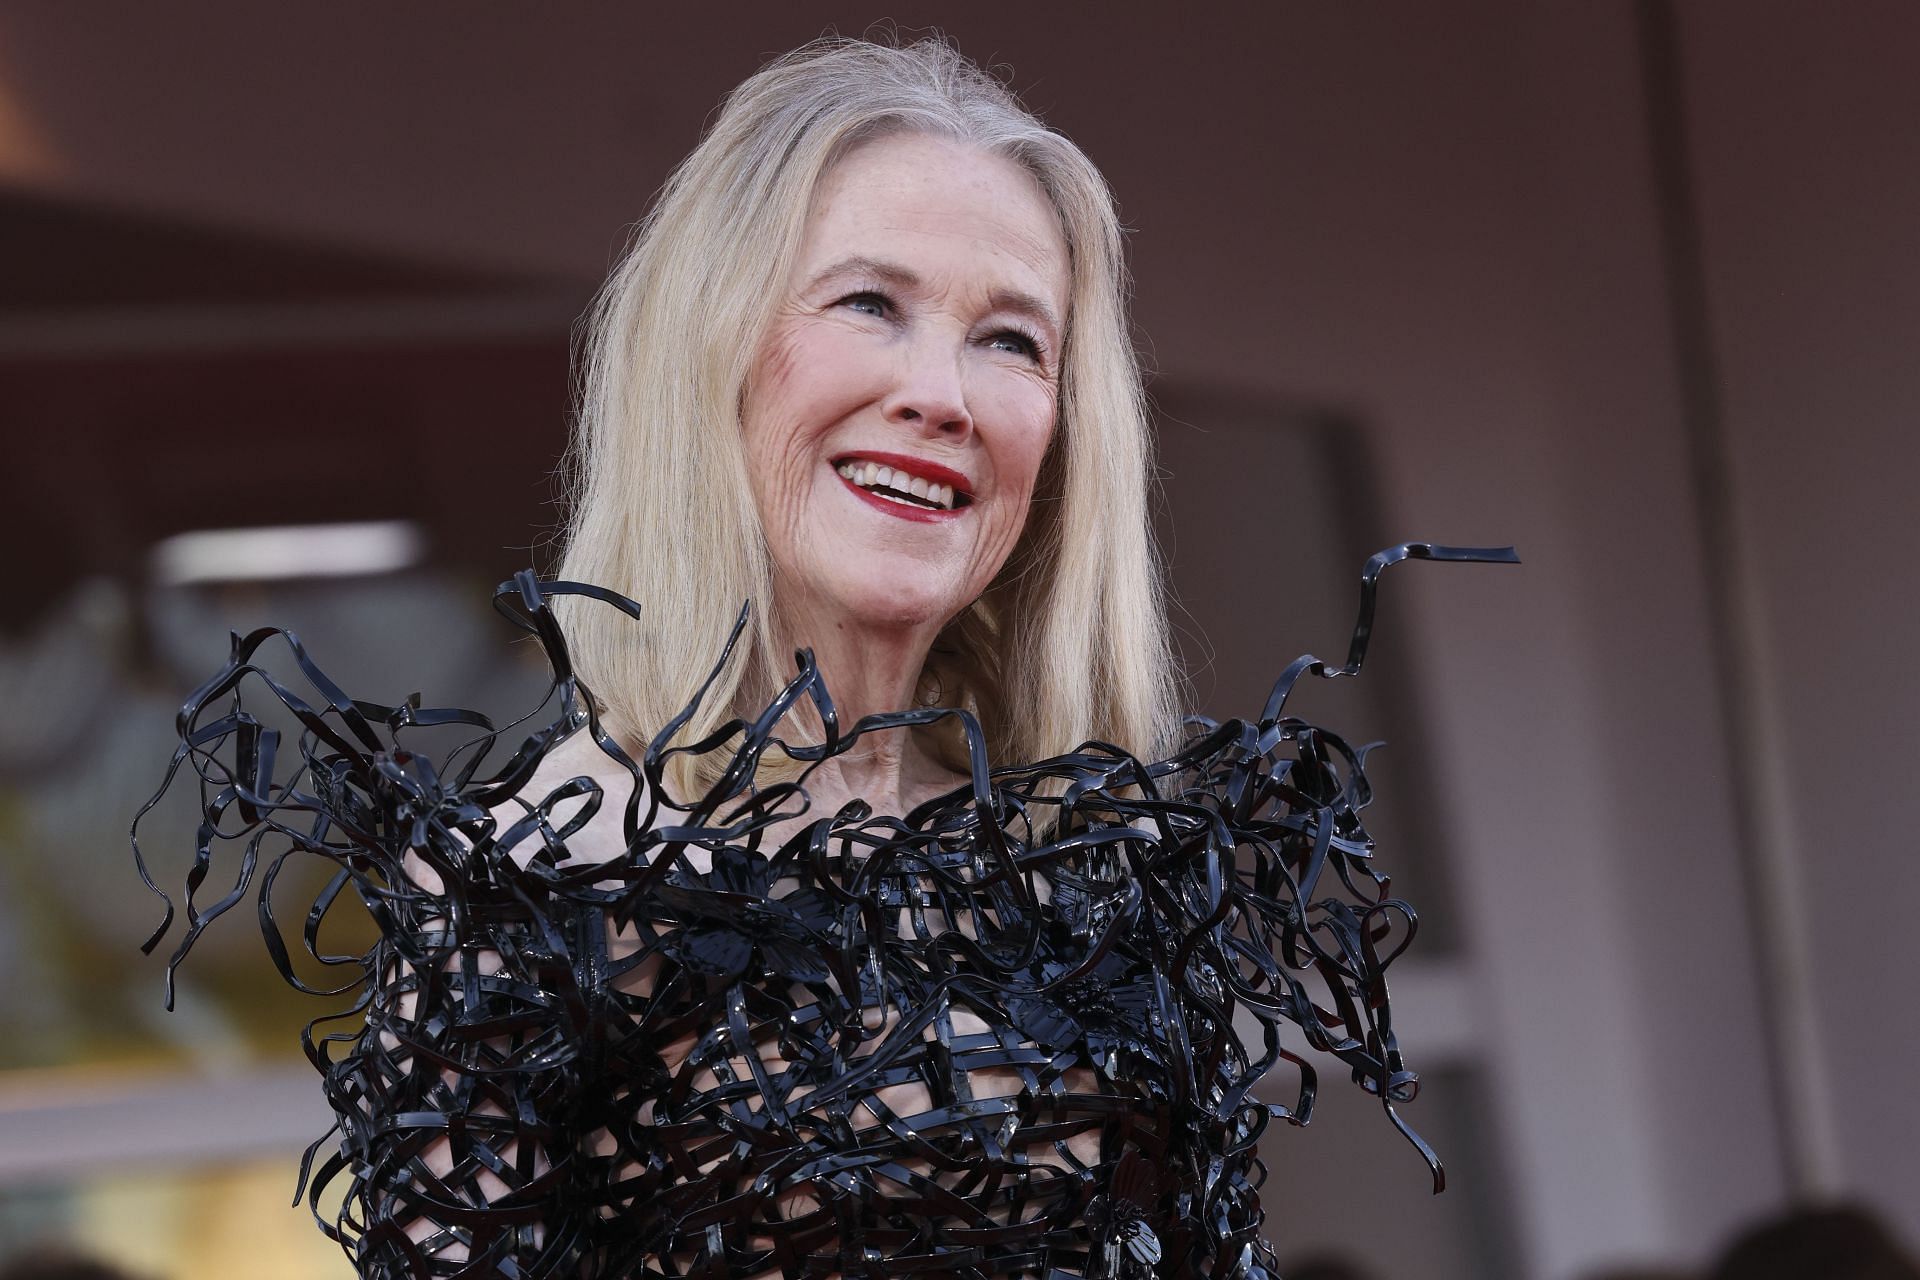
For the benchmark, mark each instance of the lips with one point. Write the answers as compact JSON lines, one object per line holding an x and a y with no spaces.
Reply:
{"x":904,"y":486}
{"x":931,"y":472}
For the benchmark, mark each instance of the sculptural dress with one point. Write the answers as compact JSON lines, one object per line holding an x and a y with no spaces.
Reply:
{"x":994,"y":1037}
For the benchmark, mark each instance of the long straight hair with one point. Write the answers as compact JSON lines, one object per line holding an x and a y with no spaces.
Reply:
{"x":1069,"y":642}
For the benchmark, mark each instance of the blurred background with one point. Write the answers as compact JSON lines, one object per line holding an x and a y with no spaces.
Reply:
{"x":1635,"y":286}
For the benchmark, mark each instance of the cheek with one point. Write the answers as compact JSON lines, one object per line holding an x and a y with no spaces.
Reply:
{"x":766,"y":415}
{"x":806,"y":380}
{"x":779,"y":356}
{"x":781,"y":414}
{"x":1026,"y":414}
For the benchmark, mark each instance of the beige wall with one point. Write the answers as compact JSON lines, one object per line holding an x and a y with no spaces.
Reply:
{"x":1439,"y":220}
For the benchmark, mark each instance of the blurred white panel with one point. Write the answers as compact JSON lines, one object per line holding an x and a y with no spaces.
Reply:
{"x":289,"y":551}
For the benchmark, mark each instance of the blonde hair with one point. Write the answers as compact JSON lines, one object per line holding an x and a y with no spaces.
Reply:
{"x":1069,"y":643}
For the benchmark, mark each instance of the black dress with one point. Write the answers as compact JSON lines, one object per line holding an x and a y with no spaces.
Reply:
{"x":994,"y":1038}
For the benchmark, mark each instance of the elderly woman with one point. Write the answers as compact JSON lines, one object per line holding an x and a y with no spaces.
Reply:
{"x":751,"y":965}
{"x":875,"y":260}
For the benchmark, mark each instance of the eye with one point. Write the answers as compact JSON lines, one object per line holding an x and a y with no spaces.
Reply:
{"x":868,"y":303}
{"x":1016,"y":342}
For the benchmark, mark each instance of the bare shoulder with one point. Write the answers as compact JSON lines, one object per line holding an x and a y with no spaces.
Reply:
{"x":602,"y":839}
{"x":577,"y":756}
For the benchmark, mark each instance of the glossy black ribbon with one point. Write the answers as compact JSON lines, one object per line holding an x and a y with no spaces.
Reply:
{"x":716,"y":1095}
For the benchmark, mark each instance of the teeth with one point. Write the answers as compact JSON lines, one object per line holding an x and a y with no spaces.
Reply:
{"x":871,"y":475}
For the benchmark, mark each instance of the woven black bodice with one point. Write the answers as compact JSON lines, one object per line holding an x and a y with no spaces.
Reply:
{"x":993,"y":1038}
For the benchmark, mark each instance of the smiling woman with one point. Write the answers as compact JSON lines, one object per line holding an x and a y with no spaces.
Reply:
{"x":875,"y":254}
{"x":915,"y":343}
{"x":764,"y":968}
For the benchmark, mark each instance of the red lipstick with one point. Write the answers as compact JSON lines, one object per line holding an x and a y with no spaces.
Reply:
{"x":925,"y":515}
{"x":932,"y":472}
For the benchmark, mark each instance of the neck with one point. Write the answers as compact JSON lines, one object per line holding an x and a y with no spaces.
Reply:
{"x":868,"y":670}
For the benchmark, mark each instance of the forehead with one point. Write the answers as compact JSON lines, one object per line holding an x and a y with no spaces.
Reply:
{"x":943,"y":208}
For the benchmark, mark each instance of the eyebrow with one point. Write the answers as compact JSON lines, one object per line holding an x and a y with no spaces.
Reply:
{"x":1018,"y":301}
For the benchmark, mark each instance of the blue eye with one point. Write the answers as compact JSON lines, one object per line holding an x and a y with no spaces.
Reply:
{"x":1016,"y":342}
{"x":867,"y":303}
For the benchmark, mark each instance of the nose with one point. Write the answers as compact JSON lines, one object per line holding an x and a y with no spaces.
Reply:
{"x":929,"y":392}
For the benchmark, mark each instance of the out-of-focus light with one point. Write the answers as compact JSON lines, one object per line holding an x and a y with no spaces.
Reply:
{"x":288,"y":551}
{"x":25,"y":153}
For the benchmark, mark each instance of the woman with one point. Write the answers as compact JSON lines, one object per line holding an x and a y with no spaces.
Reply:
{"x":683,"y":396}
{"x":757,"y":969}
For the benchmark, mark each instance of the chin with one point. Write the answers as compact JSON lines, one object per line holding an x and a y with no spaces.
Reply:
{"x":901,"y":600}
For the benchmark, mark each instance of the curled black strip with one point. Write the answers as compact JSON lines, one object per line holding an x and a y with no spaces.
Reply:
{"x":993,"y":1038}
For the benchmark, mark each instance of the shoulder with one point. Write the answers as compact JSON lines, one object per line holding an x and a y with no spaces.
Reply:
{"x":575,"y":758}
{"x":600,"y":840}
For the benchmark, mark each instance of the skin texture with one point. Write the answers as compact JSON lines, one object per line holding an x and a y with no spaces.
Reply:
{"x":923,"y":316}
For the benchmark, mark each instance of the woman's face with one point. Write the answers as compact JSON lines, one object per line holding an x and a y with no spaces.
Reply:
{"x":904,"y":395}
